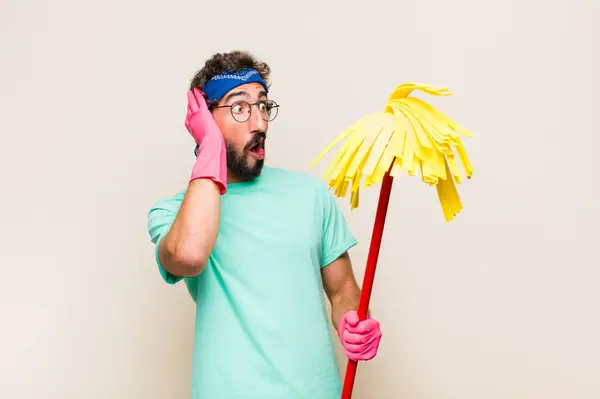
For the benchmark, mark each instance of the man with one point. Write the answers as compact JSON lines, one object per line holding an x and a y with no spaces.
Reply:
{"x":256,"y":247}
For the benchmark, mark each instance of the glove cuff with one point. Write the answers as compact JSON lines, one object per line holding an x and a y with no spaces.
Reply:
{"x":211,"y":163}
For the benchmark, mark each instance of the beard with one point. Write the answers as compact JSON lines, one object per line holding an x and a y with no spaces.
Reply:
{"x":238,"y":163}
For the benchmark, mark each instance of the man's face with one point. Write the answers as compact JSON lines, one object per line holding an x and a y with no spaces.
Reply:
{"x":244,"y":128}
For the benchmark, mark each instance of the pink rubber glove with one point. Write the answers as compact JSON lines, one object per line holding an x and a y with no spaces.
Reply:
{"x":360,"y":339}
{"x":211,"y":161}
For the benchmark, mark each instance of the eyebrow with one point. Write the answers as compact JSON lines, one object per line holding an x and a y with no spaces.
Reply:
{"x":244,"y":94}
{"x":235,"y":94}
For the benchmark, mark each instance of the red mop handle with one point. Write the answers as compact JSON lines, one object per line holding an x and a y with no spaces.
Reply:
{"x":365,"y":296}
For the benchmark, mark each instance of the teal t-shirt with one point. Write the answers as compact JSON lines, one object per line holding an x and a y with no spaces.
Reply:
{"x":262,"y":329}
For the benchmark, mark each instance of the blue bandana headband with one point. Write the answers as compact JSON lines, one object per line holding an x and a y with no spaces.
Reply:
{"x":220,"y":84}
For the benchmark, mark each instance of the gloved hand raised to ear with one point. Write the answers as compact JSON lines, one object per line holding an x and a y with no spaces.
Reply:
{"x":211,"y":161}
{"x":360,"y":339}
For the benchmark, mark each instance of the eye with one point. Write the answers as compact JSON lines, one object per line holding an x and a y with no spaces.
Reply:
{"x":265,"y":106}
{"x":237,"y":108}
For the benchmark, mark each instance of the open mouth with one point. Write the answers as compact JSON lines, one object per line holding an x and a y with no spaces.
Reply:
{"x":258,"y":149}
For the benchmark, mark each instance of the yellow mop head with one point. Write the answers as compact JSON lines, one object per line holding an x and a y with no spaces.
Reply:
{"x":408,"y":135}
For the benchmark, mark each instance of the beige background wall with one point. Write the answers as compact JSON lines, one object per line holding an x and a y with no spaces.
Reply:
{"x":500,"y":304}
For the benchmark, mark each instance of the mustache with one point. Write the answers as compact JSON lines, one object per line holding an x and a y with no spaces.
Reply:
{"x":255,"y":139}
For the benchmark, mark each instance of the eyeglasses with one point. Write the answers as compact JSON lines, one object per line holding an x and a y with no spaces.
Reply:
{"x":241,"y":110}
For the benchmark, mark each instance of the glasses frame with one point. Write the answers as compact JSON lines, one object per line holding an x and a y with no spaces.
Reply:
{"x":274,"y":105}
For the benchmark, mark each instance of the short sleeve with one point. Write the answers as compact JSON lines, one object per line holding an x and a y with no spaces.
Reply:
{"x":337,"y":237}
{"x":160,"y":219}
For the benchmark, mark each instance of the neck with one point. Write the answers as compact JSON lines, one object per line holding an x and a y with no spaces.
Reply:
{"x":231,"y":178}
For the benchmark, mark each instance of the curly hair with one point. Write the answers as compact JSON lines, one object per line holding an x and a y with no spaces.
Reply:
{"x":232,"y":62}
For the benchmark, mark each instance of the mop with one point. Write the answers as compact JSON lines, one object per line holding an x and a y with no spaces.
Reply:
{"x":409,"y":136}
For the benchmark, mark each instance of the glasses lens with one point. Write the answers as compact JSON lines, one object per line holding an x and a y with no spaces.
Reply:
{"x":269,"y":110}
{"x":240,"y":110}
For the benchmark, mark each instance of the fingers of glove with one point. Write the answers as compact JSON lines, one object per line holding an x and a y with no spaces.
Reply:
{"x":357,"y":339}
{"x":360,"y":356}
{"x":364,"y":351}
{"x":356,"y":349}
{"x":201,"y":101}
{"x":362,"y":340}
{"x":363,"y":327}
{"x":192,"y":102}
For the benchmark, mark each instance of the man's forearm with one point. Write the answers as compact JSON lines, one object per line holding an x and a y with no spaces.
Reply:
{"x":185,"y":249}
{"x":347,"y":299}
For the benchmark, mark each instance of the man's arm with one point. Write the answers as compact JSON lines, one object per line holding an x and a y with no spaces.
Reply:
{"x":360,"y":339}
{"x":185,"y":249}
{"x":341,"y":287}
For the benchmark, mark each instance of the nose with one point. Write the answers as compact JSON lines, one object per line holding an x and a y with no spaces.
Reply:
{"x":257,"y":123}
